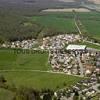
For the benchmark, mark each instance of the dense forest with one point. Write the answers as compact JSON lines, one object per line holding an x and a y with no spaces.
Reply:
{"x":12,"y":26}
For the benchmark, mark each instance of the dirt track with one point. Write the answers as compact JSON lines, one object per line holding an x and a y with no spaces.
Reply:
{"x":67,"y":10}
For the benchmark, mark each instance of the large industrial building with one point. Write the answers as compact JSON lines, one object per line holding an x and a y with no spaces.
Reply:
{"x":76,"y":47}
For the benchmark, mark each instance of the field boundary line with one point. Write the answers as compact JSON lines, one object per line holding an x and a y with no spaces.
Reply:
{"x":52,"y":72}
{"x":77,"y":27}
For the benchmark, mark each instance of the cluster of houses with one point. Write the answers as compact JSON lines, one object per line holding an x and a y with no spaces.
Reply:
{"x":85,"y":89}
{"x":64,"y":61}
{"x":59,"y":41}
{"x":25,"y":44}
{"x":75,"y":60}
{"x":63,"y":56}
{"x":70,"y":59}
{"x":67,"y":62}
{"x":89,"y":62}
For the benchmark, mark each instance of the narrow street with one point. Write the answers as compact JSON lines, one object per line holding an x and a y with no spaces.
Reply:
{"x":81,"y":66}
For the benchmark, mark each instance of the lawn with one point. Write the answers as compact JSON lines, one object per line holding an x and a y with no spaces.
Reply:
{"x":40,"y":80}
{"x":29,"y":78}
{"x":10,"y":59}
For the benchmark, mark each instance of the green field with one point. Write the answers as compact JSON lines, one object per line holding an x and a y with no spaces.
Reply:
{"x":91,"y":23}
{"x":64,"y":23}
{"x":92,"y":26}
{"x":56,"y":22}
{"x":39,"y":80}
{"x":10,"y":59}
{"x":25,"y":74}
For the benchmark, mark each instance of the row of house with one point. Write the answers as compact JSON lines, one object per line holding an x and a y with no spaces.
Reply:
{"x":85,"y":89}
{"x":25,"y":44}
{"x":60,"y":41}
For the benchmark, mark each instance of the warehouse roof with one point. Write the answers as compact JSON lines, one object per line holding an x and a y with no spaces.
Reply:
{"x":76,"y":47}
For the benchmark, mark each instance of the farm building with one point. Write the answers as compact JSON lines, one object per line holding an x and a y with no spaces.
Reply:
{"x":76,"y":47}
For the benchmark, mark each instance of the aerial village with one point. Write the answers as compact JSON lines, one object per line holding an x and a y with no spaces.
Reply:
{"x":65,"y":56}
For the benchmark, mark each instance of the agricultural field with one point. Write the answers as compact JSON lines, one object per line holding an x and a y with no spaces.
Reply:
{"x":11,"y":59}
{"x":40,"y":80}
{"x":28,"y":71}
{"x":91,"y":23}
{"x":59,"y":22}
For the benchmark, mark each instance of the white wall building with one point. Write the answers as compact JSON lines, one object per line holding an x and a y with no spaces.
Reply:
{"x":76,"y":47}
